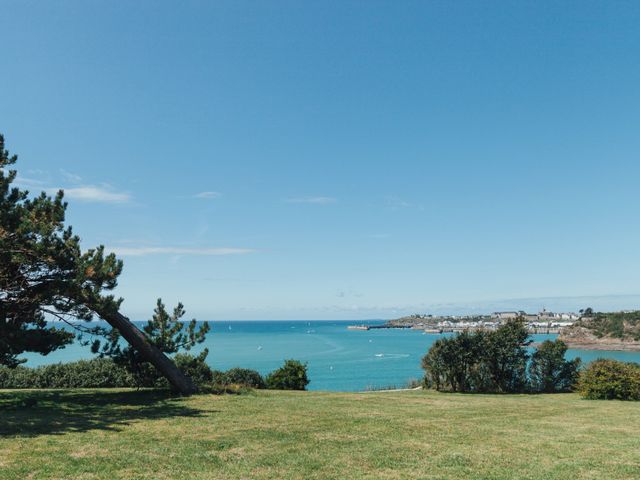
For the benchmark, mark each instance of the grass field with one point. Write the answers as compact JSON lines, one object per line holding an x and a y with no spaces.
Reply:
{"x":116,"y":434}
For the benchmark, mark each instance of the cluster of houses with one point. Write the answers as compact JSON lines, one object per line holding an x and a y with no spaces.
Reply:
{"x":541,"y":322}
{"x":542,"y":316}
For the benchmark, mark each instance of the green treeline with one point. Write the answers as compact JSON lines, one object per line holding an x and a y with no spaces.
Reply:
{"x":498,"y":362}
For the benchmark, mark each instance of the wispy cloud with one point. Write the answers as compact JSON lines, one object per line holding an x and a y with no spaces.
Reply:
{"x":25,"y":182}
{"x":71,"y":177}
{"x":92,"y":193}
{"x":103,"y":193}
{"x":208,"y":195}
{"x":139,"y":251}
{"x":313,"y":200}
{"x":395,"y":202}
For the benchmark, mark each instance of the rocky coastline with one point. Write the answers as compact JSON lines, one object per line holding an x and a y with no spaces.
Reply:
{"x":581,"y":338}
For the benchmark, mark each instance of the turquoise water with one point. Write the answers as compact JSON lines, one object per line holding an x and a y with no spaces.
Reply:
{"x":338,"y":359}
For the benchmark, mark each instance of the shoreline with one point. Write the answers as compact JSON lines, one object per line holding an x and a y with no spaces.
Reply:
{"x":603,"y":347}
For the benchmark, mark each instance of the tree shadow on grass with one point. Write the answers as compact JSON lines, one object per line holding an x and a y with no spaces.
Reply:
{"x":33,"y":413}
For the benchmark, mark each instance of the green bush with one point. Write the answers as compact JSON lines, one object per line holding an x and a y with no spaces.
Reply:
{"x":606,"y":379}
{"x":238,"y":376}
{"x":291,"y":376}
{"x":244,"y":376}
{"x":219,"y":377}
{"x":97,"y":373}
{"x":195,"y":367}
{"x":549,"y":372}
{"x":106,"y":373}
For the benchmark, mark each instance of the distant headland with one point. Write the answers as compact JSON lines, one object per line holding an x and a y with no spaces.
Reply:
{"x":585,"y":330}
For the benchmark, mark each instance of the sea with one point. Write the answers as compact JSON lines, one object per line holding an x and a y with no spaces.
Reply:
{"x":338,"y":359}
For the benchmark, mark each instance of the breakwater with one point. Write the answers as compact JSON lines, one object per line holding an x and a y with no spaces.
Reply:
{"x":375,"y":327}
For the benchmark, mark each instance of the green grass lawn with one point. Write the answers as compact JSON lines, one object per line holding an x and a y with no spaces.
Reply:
{"x":116,"y":434}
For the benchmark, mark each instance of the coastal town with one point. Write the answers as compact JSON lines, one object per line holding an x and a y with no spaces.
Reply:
{"x":542,"y":322}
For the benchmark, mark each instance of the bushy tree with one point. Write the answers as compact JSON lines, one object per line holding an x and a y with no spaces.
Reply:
{"x":481,"y":361}
{"x":291,"y":376}
{"x":167,"y":332}
{"x":43,"y":271}
{"x":606,"y":379}
{"x":497,"y":361}
{"x":453,"y":363}
{"x":505,"y":357}
{"x":549,"y":371}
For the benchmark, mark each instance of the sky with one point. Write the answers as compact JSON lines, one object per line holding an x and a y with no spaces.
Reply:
{"x":337,"y":159}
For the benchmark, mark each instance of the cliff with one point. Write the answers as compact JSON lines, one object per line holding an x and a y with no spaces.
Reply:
{"x":605,"y":331}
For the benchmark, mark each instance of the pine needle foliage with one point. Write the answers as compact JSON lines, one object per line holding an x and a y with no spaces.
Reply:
{"x":43,"y":270}
{"x":164,"y":330}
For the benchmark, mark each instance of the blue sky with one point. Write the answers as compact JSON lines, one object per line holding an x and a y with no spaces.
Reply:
{"x":343,"y":159}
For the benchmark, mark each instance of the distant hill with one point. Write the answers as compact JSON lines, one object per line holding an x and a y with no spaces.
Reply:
{"x":605,"y":331}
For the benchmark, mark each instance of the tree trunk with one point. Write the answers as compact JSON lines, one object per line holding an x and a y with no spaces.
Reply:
{"x":178,"y":380}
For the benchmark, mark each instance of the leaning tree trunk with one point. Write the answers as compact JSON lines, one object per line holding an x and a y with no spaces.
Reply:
{"x":178,"y":380}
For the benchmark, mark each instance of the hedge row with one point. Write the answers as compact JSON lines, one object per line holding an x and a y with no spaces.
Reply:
{"x":97,"y":373}
{"x":105,"y":373}
{"x":602,"y":379}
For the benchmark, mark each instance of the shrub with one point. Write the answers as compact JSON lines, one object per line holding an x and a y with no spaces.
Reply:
{"x":606,"y":379}
{"x":18,"y":377}
{"x":549,"y":372}
{"x":218,"y":377}
{"x":291,"y":376}
{"x":244,"y":376}
{"x":96,"y":373}
{"x":194,"y":367}
{"x":106,"y":373}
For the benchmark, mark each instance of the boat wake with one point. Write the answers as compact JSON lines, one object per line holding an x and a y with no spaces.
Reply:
{"x":392,"y":355}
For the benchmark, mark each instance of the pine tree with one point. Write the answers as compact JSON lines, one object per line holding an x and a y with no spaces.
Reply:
{"x":167,"y":332}
{"x":43,"y":271}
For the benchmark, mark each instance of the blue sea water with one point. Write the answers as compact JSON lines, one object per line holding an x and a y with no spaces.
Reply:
{"x":338,"y":359}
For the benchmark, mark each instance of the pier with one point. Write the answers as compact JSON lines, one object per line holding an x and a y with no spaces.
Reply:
{"x":376,"y":327}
